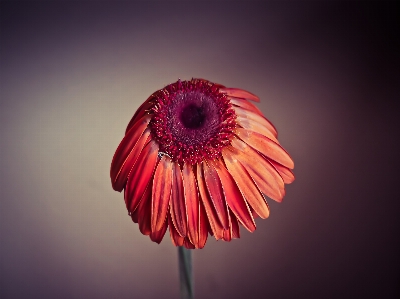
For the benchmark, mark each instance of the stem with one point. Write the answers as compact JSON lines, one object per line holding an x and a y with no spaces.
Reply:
{"x":185,"y":272}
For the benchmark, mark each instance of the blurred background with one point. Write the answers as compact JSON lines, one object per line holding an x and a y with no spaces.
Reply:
{"x":73,"y":73}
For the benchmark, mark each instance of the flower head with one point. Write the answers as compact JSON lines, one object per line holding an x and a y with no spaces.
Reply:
{"x":199,"y":158}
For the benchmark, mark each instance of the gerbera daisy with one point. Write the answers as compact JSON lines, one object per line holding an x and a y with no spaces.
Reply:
{"x":199,"y":158}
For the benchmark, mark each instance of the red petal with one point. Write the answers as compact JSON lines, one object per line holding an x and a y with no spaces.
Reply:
{"x":265,"y":146}
{"x":192,"y":203}
{"x":235,"y":226}
{"x":144,"y":212}
{"x":261,"y":120}
{"x":216,"y":194}
{"x":246,"y":184}
{"x":140,"y":112}
{"x":203,"y":228}
{"x":260,"y":170}
{"x":234,"y":197}
{"x":240,"y":93}
{"x":177,"y":240}
{"x":286,"y":174}
{"x":123,"y":159}
{"x":157,"y":236}
{"x":216,"y":228}
{"x":245,"y":105}
{"x":187,"y":244}
{"x":140,"y":175}
{"x":162,"y":183}
{"x":178,"y":204}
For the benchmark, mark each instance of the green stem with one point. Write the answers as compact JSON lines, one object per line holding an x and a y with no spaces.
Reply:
{"x":185,"y":272}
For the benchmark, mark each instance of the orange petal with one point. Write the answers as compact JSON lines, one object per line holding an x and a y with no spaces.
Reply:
{"x":246,"y":184}
{"x":162,"y":183}
{"x":140,"y":175}
{"x":216,"y":228}
{"x":177,"y":240}
{"x":216,"y":194}
{"x":261,"y":171}
{"x":178,"y":204}
{"x":240,"y":93}
{"x":255,"y":127}
{"x":122,"y":160}
{"x":157,"y":236}
{"x":261,"y":120}
{"x":192,"y":204}
{"x":140,"y":112}
{"x":286,"y":174}
{"x":265,"y":146}
{"x":234,"y":197}
{"x":245,"y":105}
{"x":144,"y":212}
{"x":187,"y":244}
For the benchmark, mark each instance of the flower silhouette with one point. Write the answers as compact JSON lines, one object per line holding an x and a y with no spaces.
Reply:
{"x":199,"y":158}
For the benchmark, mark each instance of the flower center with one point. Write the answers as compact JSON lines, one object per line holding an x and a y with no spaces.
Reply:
{"x":192,"y":116}
{"x":192,"y":120}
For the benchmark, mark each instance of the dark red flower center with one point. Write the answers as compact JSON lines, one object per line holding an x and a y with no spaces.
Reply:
{"x":192,"y":120}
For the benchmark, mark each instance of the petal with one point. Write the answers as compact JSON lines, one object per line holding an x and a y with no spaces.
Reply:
{"x":123,"y":159}
{"x":246,"y":184}
{"x":157,"y":236}
{"x":216,"y":193}
{"x":286,"y":174}
{"x":140,"y":112}
{"x":192,"y":204}
{"x":187,"y":244}
{"x":234,"y":197}
{"x":251,"y":125}
{"x":140,"y":175}
{"x":178,"y":204}
{"x":235,"y":227}
{"x":256,"y":118}
{"x":177,"y":240}
{"x":260,"y":170}
{"x":244,"y":104}
{"x":203,"y":227}
{"x":240,"y":93}
{"x":265,"y":146}
{"x":216,"y":228}
{"x":162,"y":183}
{"x":144,"y":212}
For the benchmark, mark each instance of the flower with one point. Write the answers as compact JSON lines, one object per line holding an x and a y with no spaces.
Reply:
{"x":199,"y":158}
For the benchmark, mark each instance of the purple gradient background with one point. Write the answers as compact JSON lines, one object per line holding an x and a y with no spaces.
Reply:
{"x":72,"y":75}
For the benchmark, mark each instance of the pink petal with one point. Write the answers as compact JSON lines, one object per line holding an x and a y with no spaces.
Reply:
{"x":123,"y":159}
{"x":244,"y":104}
{"x":216,"y":228}
{"x":286,"y":174}
{"x":140,"y":175}
{"x":261,"y":120}
{"x":261,"y":171}
{"x":240,"y":93}
{"x":234,"y":197}
{"x":246,"y":184}
{"x":162,"y":184}
{"x":178,"y":204}
{"x":265,"y":146}
{"x":177,"y":240}
{"x":216,"y":193}
{"x":192,"y":203}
